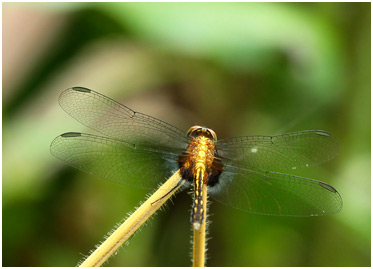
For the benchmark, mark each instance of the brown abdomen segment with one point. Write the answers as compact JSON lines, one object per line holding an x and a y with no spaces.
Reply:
{"x":198,"y":209}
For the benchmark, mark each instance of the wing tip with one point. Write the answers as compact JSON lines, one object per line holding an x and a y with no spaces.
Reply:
{"x":58,"y":138}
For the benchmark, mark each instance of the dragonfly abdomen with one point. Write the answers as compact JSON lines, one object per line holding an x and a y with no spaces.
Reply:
{"x":198,"y":211}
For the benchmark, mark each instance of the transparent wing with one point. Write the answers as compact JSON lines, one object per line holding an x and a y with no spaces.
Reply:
{"x":272,"y":193}
{"x":280,"y":152}
{"x":114,"y":160}
{"x":120,"y":122}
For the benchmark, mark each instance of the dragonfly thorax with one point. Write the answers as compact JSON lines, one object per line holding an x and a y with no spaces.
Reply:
{"x":199,"y":160}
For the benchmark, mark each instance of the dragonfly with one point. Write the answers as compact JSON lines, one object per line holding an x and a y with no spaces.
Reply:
{"x":245,"y":172}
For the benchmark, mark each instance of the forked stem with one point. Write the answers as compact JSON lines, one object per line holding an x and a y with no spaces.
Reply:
{"x":199,"y":236}
{"x":127,"y":229}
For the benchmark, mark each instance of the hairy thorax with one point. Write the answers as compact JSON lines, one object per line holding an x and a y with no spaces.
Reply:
{"x":198,"y":159}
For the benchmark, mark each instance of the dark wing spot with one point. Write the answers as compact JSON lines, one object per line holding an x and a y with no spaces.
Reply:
{"x":71,"y":134}
{"x":323,"y":133}
{"x":81,"y":89}
{"x":327,"y":186}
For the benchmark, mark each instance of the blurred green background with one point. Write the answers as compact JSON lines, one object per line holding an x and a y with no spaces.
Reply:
{"x":238,"y":68}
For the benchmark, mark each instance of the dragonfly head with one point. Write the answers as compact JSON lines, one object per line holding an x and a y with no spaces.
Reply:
{"x":199,"y":130}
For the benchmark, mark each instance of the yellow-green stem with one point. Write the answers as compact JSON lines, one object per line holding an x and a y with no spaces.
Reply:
{"x":124,"y":231}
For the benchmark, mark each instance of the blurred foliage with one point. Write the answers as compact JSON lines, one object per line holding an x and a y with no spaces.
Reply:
{"x":238,"y":68}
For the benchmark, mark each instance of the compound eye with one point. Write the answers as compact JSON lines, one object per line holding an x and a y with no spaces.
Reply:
{"x":193,"y":130}
{"x":199,"y":130}
{"x":213,"y":135}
